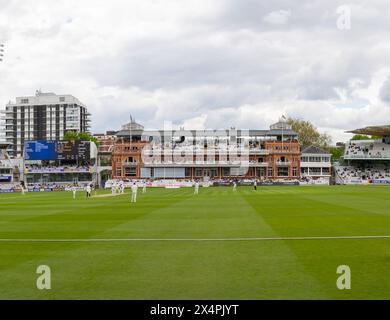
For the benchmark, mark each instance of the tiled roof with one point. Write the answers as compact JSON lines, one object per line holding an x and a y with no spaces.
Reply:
{"x":314,"y":150}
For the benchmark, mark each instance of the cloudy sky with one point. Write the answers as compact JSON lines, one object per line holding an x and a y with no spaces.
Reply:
{"x":203,"y":64}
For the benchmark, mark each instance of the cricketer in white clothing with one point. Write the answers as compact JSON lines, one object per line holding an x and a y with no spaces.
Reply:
{"x":144,"y":188}
{"x":196,"y":191}
{"x":89,"y":190}
{"x":113,"y":189}
{"x":134,"y":189}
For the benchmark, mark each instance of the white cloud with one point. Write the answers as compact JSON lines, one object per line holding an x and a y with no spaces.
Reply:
{"x":278,"y":17}
{"x":216,"y":64}
{"x":196,"y":123}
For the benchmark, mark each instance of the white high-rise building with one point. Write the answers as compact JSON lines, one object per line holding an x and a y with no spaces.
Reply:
{"x":45,"y":116}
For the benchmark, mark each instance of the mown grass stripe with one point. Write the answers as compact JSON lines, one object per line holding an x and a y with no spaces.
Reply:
{"x":201,"y":239}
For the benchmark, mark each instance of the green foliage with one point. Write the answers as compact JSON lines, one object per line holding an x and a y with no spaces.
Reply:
{"x":71,"y":136}
{"x":336,"y":152}
{"x":85,"y":136}
{"x":364,"y":137}
{"x":308,"y":134}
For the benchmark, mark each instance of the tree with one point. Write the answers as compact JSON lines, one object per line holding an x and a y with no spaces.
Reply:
{"x":308,"y":134}
{"x":337,"y":152}
{"x":364,"y":137}
{"x":71,"y":136}
{"x":324,"y":140}
{"x":85,"y":136}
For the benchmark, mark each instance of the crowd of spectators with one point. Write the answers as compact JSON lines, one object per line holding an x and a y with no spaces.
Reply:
{"x":356,"y":174}
{"x":371,"y":149}
{"x":32,"y":168}
{"x":203,"y":182}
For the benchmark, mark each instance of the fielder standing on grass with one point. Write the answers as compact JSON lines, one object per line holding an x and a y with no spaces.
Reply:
{"x":88,"y":189}
{"x":134,"y":189}
{"x":113,"y":189}
{"x":234,"y":186}
{"x":74,"y":192}
{"x":196,"y":191}
{"x":144,"y":187}
{"x":255,"y":185}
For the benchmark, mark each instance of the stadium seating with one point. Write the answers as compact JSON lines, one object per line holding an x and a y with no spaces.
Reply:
{"x":55,"y":169}
{"x":367,"y":149}
{"x":352,"y":175}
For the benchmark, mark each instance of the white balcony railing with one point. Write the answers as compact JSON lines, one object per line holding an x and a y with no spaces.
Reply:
{"x":316,"y":164}
{"x":204,"y":164}
{"x":283,"y":163}
{"x":385,"y":156}
{"x":130,"y":164}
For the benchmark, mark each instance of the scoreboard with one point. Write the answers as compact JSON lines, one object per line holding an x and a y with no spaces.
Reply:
{"x":73,"y":150}
{"x":40,"y":150}
{"x":84,"y":150}
{"x":57,"y":150}
{"x":66,"y":150}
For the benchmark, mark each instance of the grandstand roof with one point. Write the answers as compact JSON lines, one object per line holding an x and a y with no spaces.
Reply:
{"x":274,"y":132}
{"x":314,"y":150}
{"x":279,"y":132}
{"x":373,"y":131}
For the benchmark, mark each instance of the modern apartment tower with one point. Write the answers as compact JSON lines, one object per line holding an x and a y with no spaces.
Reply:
{"x":45,"y":116}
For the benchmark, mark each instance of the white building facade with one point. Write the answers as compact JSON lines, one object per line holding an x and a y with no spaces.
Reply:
{"x":316,"y":165}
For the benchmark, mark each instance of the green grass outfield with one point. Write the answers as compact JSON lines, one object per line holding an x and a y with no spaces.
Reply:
{"x":239,"y":268}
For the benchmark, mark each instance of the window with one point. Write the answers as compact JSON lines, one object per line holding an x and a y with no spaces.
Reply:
{"x":62,"y":99}
{"x":316,"y":171}
{"x":283,"y":172}
{"x":295,"y":171}
{"x":270,"y":172}
{"x":24,"y":100}
{"x":130,"y":171}
{"x":198,"y":172}
{"x":260,"y":172}
{"x":212,"y":172}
